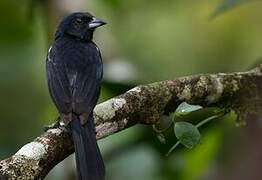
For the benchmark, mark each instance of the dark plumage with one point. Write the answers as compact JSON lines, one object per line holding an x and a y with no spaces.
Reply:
{"x":74,"y":72}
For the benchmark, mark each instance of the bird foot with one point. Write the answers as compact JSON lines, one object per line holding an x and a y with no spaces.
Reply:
{"x":55,"y":125}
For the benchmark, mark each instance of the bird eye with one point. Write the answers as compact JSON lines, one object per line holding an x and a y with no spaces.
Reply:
{"x":89,"y":19}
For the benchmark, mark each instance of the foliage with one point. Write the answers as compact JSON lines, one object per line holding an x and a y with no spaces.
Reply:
{"x":161,"y":40}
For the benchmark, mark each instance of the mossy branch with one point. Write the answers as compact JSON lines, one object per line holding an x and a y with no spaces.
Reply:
{"x":143,"y":104}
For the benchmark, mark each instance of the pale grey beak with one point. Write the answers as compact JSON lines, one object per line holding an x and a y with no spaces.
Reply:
{"x":96,"y":23}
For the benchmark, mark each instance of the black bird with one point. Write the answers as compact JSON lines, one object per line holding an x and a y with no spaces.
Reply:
{"x":74,"y":72}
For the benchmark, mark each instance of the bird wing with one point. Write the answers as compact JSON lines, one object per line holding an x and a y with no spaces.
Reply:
{"x":58,"y":84}
{"x":74,"y":81}
{"x":86,"y":85}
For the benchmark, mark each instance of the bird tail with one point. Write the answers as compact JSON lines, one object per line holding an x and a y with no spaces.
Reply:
{"x":89,"y":162}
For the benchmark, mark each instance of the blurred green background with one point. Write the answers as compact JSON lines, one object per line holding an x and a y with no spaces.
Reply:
{"x":144,"y":41}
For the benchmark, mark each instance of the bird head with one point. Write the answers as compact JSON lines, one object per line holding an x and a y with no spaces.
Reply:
{"x":80,"y":25}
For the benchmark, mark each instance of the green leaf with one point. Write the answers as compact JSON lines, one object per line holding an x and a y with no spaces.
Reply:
{"x":185,"y":108}
{"x":163,"y":124}
{"x":227,"y":5}
{"x":187,"y":134}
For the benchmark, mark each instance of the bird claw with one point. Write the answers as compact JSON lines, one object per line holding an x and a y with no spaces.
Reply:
{"x":55,"y":125}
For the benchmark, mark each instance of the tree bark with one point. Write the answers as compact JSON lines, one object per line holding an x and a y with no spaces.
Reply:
{"x":144,"y":104}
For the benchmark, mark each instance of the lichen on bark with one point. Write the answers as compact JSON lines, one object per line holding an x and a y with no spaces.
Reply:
{"x":143,"y":104}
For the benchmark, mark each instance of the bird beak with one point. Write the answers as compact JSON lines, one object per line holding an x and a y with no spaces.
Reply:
{"x":96,"y":23}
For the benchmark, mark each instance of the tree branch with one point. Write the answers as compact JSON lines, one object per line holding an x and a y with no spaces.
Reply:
{"x":143,"y":104}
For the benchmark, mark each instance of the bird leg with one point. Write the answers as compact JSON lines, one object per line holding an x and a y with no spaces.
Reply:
{"x":54,"y":125}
